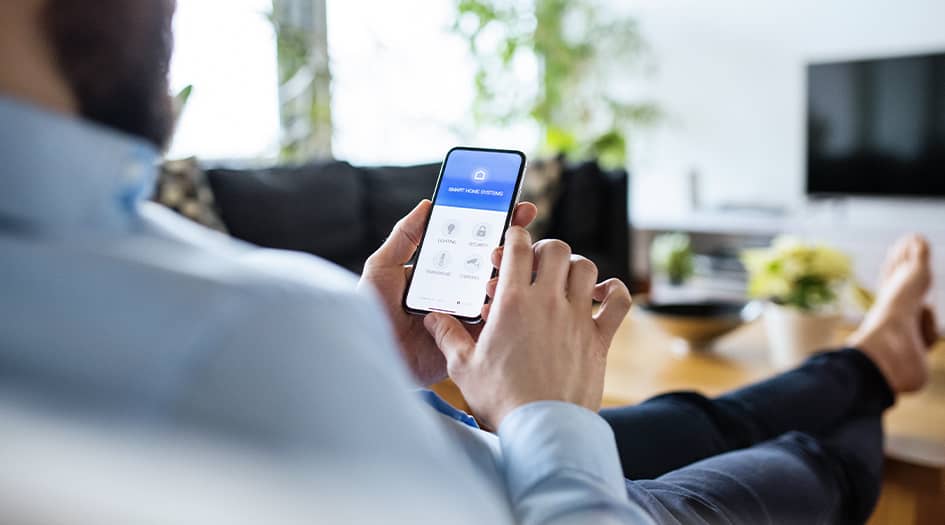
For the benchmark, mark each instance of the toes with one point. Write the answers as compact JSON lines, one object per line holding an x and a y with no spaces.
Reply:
{"x":920,"y":255}
{"x":907,"y":271}
{"x":900,"y":251}
{"x":897,"y":254}
{"x":920,"y":249}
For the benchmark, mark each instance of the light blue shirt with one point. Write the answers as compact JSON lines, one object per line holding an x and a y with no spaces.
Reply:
{"x":112,"y":303}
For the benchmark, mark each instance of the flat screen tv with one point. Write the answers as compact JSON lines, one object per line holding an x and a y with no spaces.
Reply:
{"x":877,"y":127}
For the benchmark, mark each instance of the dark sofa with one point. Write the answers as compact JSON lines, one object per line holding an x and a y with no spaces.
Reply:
{"x":343,"y":212}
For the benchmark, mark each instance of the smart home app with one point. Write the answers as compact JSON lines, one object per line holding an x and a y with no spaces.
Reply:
{"x":469,"y":214}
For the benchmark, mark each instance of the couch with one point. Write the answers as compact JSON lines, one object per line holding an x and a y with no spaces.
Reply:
{"x":343,"y":212}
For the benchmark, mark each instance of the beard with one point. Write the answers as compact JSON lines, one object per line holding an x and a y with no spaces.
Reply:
{"x":115,"y":55}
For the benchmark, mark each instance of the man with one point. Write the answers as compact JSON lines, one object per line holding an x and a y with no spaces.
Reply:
{"x":116,"y":307}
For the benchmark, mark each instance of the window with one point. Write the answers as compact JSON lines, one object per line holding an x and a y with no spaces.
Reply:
{"x":226,"y":50}
{"x":403,"y":85}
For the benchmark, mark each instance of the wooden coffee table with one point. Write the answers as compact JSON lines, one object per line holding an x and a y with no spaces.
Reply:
{"x":644,"y":362}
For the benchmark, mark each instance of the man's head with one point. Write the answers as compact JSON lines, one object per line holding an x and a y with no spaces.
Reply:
{"x":111,"y":57}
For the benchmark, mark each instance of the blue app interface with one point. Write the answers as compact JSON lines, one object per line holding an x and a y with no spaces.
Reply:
{"x":466,"y":224}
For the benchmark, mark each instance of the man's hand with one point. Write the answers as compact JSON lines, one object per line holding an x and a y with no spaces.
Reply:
{"x":543,"y":340}
{"x":387,"y":271}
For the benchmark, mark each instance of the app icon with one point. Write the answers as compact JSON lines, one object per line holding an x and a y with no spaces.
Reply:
{"x":450,"y":228}
{"x":480,"y":174}
{"x":481,"y":231}
{"x":441,"y":260}
{"x":473,"y":264}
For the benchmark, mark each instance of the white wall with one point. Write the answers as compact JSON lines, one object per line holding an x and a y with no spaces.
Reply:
{"x":731,"y":76}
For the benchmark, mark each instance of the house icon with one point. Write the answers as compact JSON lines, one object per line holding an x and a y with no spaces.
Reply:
{"x":479,"y":175}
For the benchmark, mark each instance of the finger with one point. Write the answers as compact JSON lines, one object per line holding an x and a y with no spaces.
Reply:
{"x":491,"y":286}
{"x":497,"y":257}
{"x":600,"y":291}
{"x":475,"y":330}
{"x":497,"y":260}
{"x":517,"y":259}
{"x":404,"y":238}
{"x":450,"y":336}
{"x":615,"y":303}
{"x":581,"y":281}
{"x":486,"y":309}
{"x":553,"y":261}
{"x":524,"y":214}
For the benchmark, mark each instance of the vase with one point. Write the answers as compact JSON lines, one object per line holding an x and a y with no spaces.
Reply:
{"x":794,"y":335}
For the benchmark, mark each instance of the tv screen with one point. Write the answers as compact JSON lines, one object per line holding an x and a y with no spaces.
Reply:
{"x":877,"y":127}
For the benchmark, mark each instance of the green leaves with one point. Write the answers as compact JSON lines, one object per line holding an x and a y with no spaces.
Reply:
{"x":184,"y":95}
{"x":793,"y":273}
{"x":671,"y":254}
{"x":561,"y":141}
{"x":575,"y":43}
{"x":610,"y":149}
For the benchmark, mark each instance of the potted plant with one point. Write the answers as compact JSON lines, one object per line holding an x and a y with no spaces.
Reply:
{"x":671,"y":255}
{"x":802,"y":283}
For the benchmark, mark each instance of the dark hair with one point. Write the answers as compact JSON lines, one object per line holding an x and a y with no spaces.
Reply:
{"x":115,"y":55}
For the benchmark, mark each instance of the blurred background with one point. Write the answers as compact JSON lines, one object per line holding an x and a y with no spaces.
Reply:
{"x":710,"y":110}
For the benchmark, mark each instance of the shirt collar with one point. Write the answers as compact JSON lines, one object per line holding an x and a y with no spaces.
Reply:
{"x":62,"y":172}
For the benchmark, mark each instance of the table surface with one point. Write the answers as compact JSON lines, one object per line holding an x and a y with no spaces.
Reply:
{"x":644,"y":361}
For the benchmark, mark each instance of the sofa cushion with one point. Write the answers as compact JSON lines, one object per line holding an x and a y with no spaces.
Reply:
{"x":317,"y":208}
{"x":591,"y":215}
{"x":392,"y":192}
{"x":577,"y":214}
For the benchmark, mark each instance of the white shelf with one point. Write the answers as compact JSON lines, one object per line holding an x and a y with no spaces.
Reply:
{"x":716,"y":222}
{"x":857,"y":219}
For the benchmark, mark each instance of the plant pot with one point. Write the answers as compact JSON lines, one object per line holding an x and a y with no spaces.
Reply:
{"x":793,"y":335}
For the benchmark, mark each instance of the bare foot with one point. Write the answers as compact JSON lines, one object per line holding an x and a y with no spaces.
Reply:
{"x":899,"y":329}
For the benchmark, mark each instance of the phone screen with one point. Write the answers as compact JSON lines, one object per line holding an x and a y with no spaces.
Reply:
{"x":471,"y":211}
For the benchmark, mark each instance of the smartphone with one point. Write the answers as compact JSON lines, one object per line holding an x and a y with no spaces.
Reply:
{"x":473,"y":201}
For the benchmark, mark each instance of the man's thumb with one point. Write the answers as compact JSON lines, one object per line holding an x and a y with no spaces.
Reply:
{"x":404,"y":238}
{"x":451,"y":337}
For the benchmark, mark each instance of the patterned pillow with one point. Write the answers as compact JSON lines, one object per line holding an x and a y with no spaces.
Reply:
{"x":182,"y":186}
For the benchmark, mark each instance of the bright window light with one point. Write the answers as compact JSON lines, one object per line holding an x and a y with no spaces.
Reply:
{"x":403,"y":84}
{"x":226,"y":50}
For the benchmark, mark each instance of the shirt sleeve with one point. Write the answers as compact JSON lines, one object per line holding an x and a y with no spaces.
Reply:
{"x":561,"y":466}
{"x":313,"y":377}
